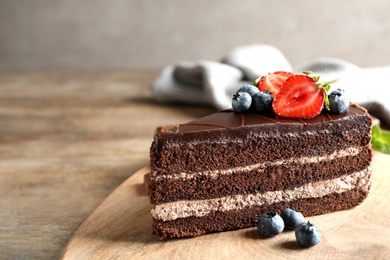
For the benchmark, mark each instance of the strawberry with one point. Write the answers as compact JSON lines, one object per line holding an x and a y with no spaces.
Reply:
{"x":273,"y":81}
{"x":301,"y":97}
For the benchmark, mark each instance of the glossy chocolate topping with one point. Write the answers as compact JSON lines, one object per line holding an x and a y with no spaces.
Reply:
{"x":230,"y":119}
{"x":250,"y":125}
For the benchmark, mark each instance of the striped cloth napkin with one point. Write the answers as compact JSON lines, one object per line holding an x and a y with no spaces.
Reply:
{"x":214,"y":82}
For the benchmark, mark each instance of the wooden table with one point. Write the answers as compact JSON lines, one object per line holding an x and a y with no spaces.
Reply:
{"x":68,"y":140}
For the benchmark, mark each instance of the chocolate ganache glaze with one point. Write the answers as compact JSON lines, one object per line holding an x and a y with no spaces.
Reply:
{"x":212,"y":127}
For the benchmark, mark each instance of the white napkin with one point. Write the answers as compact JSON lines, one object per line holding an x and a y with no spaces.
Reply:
{"x":213,"y":83}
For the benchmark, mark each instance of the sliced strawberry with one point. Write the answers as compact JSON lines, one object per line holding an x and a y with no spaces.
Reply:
{"x":299,"y":97}
{"x":273,"y":81}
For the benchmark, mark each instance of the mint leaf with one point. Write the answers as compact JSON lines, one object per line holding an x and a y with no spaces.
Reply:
{"x":380,"y":139}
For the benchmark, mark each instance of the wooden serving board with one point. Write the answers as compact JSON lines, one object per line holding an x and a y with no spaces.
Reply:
{"x":119,"y":228}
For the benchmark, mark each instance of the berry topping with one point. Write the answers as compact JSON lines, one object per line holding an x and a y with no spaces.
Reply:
{"x":241,"y":102}
{"x":273,"y":81}
{"x":292,"y":96}
{"x":301,"y":97}
{"x":250,"y":89}
{"x":270,"y":224}
{"x":292,"y":218}
{"x":338,"y":102}
{"x":307,"y":234}
{"x":262,"y":102}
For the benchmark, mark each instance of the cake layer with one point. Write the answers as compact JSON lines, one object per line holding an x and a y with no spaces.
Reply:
{"x":199,"y":208}
{"x":248,"y":216}
{"x":223,"y":171}
{"x":201,"y":145}
{"x":261,"y":177}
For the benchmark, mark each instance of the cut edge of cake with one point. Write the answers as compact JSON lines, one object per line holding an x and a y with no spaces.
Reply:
{"x":195,"y":211}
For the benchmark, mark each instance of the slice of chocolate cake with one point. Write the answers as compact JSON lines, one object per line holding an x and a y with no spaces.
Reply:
{"x":223,"y":171}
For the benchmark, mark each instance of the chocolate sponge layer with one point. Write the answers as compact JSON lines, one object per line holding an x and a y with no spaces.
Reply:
{"x":271,"y":178}
{"x":246,"y":139}
{"x":247,"y":217}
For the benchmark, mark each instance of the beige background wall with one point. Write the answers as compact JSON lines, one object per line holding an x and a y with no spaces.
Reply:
{"x":140,"y":34}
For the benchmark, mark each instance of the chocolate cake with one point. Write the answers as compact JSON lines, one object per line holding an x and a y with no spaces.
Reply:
{"x":221,"y":172}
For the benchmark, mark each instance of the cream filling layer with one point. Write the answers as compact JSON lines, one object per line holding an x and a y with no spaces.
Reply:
{"x":351,"y":151}
{"x":199,"y":208}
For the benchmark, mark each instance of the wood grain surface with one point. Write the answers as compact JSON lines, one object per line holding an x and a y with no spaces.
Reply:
{"x":120,"y":228}
{"x":67,"y":140}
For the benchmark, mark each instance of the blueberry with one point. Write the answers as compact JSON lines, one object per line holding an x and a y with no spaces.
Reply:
{"x":270,"y":224}
{"x":292,"y":218}
{"x":307,"y":234}
{"x":250,"y":89}
{"x":262,"y":102}
{"x":338,"y":102}
{"x":241,"y":102}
